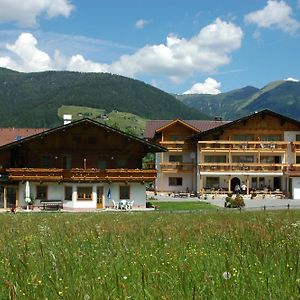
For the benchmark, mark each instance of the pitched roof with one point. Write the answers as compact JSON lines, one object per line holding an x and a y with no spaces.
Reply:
{"x":240,"y":120}
{"x":9,"y":135}
{"x":200,"y":125}
{"x":151,"y":146}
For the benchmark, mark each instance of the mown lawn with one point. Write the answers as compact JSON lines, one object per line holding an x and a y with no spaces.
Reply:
{"x":211,"y":255}
{"x":182,"y":206}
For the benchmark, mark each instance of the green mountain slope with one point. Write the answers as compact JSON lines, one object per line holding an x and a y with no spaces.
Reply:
{"x":227,"y":105}
{"x":280,"y":96}
{"x":33,"y":99}
{"x":128,"y":122}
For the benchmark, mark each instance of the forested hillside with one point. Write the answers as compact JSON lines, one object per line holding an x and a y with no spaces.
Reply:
{"x":33,"y":99}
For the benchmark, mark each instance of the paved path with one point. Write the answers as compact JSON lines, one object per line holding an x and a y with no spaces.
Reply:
{"x":256,"y":203}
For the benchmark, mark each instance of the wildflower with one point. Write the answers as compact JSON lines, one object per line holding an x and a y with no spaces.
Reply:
{"x":125,"y":277}
{"x":226,"y":275}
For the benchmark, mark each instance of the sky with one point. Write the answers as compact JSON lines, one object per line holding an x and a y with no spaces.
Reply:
{"x":179,"y":46}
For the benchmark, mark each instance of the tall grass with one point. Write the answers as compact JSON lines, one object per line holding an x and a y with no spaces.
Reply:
{"x":212,"y":255}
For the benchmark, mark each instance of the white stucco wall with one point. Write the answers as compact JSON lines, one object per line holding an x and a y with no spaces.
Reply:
{"x":56,"y":191}
{"x":187,"y":180}
{"x":290,"y":136}
{"x":296,"y":188}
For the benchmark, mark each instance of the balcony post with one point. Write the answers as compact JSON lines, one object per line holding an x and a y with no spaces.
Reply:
{"x":229,"y":183}
{"x":248,"y":184}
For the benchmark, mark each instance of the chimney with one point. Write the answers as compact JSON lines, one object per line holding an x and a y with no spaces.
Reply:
{"x":67,"y":119}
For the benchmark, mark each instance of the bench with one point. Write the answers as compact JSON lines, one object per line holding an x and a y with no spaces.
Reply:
{"x":51,"y":204}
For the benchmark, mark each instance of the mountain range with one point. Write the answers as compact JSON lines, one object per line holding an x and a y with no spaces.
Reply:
{"x":281,"y":96}
{"x":34,"y":99}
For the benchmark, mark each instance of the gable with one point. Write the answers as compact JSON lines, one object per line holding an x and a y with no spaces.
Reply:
{"x":83,"y":134}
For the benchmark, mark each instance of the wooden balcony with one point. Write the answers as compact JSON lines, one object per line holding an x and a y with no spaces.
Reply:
{"x":177,"y":146}
{"x":296,"y":146}
{"x":81,"y":175}
{"x":242,"y":167}
{"x":240,"y":146}
{"x":177,"y":167}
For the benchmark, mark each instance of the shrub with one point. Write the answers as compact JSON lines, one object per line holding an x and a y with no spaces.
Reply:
{"x":236,"y":202}
{"x":228,"y":200}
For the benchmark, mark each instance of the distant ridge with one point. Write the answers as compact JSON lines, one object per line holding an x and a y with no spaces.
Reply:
{"x":33,"y":99}
{"x":279,"y":96}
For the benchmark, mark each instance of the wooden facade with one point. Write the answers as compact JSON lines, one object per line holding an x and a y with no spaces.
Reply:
{"x":261,"y":151}
{"x":83,"y":153}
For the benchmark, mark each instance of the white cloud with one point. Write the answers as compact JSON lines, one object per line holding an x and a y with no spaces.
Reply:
{"x":140,"y":24}
{"x":178,"y":58}
{"x":28,"y":56}
{"x":25,"y":12}
{"x":275,"y":14}
{"x":292,"y":79}
{"x":209,"y":86}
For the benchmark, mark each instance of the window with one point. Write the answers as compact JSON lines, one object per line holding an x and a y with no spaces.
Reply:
{"x":270,"y":159}
{"x":68,"y":193}
{"x":124,"y":192}
{"x":175,"y":158}
{"x":215,"y":158}
{"x":243,"y":137}
{"x":84,"y":192}
{"x":297,"y":159}
{"x":41,"y":192}
{"x":243,"y":159}
{"x":121,"y":162}
{"x":176,"y":137}
{"x":45,"y":161}
{"x":102,"y":164}
{"x":66,"y":161}
{"x":175,"y":181}
{"x":270,"y":137}
{"x":297,"y":137}
{"x":212,"y":182}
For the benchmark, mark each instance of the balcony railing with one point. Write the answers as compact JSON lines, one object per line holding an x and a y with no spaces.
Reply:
{"x":296,"y":146}
{"x":241,"y":167}
{"x":81,"y":175}
{"x":176,"y":146}
{"x":177,"y":166}
{"x":244,"y":146}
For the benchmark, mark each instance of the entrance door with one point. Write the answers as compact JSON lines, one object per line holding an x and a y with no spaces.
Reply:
{"x":277,"y":183}
{"x":100,"y":197}
{"x":234,"y":181}
{"x":11,"y":197}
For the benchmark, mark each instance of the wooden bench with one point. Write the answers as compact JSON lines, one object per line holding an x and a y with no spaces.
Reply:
{"x":51,"y":204}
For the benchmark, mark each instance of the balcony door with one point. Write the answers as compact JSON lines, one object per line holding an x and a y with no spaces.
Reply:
{"x":8,"y":197}
{"x":100,"y":197}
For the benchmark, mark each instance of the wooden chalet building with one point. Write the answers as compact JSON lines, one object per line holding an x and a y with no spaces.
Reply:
{"x":261,"y":150}
{"x":85,"y":164}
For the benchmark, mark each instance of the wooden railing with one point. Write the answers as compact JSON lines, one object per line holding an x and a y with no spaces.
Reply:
{"x":177,"y":166}
{"x":241,"y":167}
{"x":81,"y":175}
{"x":296,"y":146}
{"x":176,"y":146}
{"x":244,"y":146}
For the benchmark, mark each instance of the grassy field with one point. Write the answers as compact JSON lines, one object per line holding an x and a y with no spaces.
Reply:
{"x":205,"y":255}
{"x":182,"y":206}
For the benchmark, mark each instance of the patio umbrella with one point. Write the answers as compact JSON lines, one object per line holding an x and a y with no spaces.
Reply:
{"x":27,"y":194}
{"x":109,"y":194}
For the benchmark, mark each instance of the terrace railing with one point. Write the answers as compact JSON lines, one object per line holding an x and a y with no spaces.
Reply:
{"x":177,"y":166}
{"x":80,"y":175}
{"x":244,"y":146}
{"x":241,"y":167}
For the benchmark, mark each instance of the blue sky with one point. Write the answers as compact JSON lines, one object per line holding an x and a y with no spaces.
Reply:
{"x":179,"y":46}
